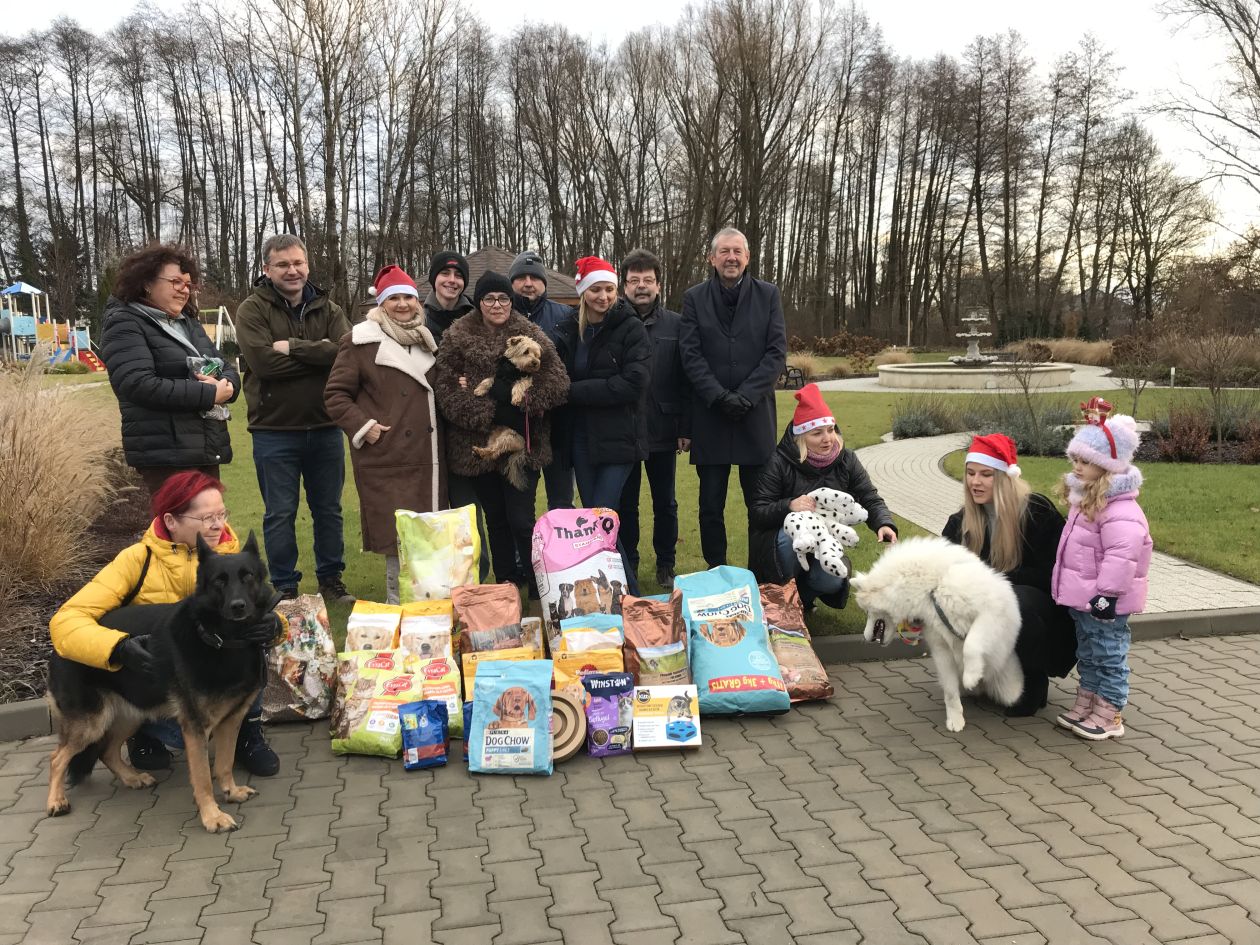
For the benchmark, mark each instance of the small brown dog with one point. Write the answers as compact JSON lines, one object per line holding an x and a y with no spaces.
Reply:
{"x":515,"y":709}
{"x":522,"y":356}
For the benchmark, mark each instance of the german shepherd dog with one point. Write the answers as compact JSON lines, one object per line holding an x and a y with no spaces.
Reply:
{"x":205,"y":676}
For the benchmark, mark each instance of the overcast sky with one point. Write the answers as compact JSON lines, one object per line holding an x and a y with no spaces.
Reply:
{"x":1155,"y":52}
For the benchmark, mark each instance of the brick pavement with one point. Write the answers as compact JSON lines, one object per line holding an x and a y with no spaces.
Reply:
{"x":909,"y":476}
{"x":858,"y":820}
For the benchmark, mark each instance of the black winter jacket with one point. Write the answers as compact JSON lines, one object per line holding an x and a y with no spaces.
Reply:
{"x":784,"y":479}
{"x":669,"y":395}
{"x":160,"y":401}
{"x":438,"y":319}
{"x":1042,"y":528}
{"x":609,"y":396}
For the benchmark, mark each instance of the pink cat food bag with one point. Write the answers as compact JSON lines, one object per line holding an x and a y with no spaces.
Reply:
{"x":576,"y":565}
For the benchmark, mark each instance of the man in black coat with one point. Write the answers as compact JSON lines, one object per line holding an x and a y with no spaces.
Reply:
{"x":666,"y":415}
{"x":734,"y":346}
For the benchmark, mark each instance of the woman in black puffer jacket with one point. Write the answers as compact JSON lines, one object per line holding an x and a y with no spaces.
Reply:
{"x":150,"y":331}
{"x":811,"y":455}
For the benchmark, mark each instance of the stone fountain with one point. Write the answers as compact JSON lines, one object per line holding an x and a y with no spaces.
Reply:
{"x":973,"y":357}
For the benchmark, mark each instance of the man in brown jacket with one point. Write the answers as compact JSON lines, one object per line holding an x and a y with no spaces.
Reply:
{"x":288,"y":331}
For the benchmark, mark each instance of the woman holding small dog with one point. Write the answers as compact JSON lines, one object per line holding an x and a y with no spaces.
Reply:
{"x":1016,"y":532}
{"x":501,"y":436}
{"x":811,"y":455}
{"x":161,"y":568}
{"x":380,"y":394}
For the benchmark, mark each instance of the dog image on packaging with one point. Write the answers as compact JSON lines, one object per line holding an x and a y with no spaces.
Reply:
{"x":576,"y":564}
{"x":570,"y":668}
{"x":666,"y":717}
{"x":609,"y":713}
{"x":373,"y":626}
{"x":425,"y":631}
{"x":731,"y":661}
{"x":437,"y":551}
{"x":511,"y":719}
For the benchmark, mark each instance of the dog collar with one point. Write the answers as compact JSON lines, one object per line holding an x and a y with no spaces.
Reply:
{"x":217,"y":642}
{"x":941,"y":614}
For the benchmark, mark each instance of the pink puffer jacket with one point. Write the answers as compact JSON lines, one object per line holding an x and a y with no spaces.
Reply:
{"x":1110,"y":555}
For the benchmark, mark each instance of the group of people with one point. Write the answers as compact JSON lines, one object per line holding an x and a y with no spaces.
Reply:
{"x":423,"y":390}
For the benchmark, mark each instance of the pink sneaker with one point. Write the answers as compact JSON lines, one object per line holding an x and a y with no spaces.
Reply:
{"x":1079,"y":712}
{"x":1103,"y":722}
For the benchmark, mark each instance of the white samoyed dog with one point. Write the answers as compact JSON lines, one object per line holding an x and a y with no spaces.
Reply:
{"x":929,"y":589}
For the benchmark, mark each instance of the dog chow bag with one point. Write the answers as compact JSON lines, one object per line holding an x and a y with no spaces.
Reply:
{"x":576,"y":564}
{"x":370,"y":688}
{"x":510,"y":731}
{"x":731,"y":663}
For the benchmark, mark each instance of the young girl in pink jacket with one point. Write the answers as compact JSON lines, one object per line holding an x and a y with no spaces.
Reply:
{"x":1100,"y":572}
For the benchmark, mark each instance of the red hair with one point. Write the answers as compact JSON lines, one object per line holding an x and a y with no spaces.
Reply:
{"x":176,"y":494}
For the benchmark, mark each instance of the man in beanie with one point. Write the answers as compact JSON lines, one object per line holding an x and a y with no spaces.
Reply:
{"x":448,"y":275}
{"x":289,"y":332}
{"x":734,"y":347}
{"x":528,"y":276}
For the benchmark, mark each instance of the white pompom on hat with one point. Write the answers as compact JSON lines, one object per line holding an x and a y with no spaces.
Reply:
{"x":1108,"y":443}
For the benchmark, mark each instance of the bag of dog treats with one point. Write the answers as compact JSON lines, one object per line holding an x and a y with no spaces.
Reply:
{"x":370,"y":688}
{"x":373,"y":626}
{"x":655,"y":636}
{"x":609,"y":713}
{"x":472,"y":662}
{"x":438,"y":680}
{"x":803,"y":673}
{"x":437,"y":551}
{"x":487,"y":617}
{"x":511,"y":719}
{"x":570,"y":668}
{"x":426,"y":629}
{"x":576,"y":564}
{"x":590,"y":632}
{"x":301,"y":669}
{"x":731,"y":662}
{"x":425,"y":742}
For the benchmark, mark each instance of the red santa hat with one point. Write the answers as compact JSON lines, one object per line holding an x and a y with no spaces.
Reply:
{"x":592,"y":270}
{"x":811,"y":412}
{"x":393,"y":280}
{"x":997,"y":451}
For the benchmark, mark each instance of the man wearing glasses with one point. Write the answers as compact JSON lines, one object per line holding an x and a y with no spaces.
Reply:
{"x":288,"y":331}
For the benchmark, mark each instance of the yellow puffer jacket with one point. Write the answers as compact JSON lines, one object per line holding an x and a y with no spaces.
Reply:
{"x":171,"y":577}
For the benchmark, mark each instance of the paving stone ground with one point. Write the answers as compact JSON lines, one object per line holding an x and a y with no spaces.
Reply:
{"x":858,"y":820}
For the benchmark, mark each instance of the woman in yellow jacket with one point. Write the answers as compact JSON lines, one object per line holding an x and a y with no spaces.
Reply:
{"x":161,"y":568}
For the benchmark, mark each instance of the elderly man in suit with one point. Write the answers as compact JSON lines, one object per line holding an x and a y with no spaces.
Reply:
{"x":733,"y":343}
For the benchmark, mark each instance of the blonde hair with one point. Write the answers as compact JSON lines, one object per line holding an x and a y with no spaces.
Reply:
{"x":803,"y":450}
{"x":1010,"y":505}
{"x":582,"y":319}
{"x":1093,"y":494}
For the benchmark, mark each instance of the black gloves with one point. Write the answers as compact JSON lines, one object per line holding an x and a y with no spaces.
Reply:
{"x":733,"y":404}
{"x":1103,"y":608}
{"x":265,"y":631}
{"x":132,"y":653}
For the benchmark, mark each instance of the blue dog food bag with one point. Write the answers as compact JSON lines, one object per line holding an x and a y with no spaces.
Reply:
{"x":731,"y":662}
{"x":511,"y":718}
{"x":425,"y":735}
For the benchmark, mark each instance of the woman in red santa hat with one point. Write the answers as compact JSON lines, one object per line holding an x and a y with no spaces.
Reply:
{"x":811,"y":455}
{"x":608,"y":357}
{"x":1016,"y":532}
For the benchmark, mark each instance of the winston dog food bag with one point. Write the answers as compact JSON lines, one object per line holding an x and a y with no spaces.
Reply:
{"x":609,"y":713}
{"x":576,"y":564}
{"x":731,"y":662}
{"x":511,"y":719}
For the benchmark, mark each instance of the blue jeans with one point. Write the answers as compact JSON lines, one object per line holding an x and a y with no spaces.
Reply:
{"x":812,"y":583}
{"x":601,"y":485}
{"x":283,"y":459}
{"x":167,"y":730}
{"x":1102,"y":654}
{"x":661,"y":467}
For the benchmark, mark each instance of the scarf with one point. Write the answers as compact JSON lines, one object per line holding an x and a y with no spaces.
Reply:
{"x":1128,"y":481}
{"x":406,"y":334}
{"x":823,"y":460}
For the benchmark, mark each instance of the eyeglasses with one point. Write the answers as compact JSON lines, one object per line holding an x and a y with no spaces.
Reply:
{"x":211,"y":520}
{"x":180,"y":285}
{"x":497,"y":301}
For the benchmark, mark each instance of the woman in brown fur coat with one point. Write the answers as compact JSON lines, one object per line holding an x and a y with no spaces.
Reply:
{"x":470,"y":354}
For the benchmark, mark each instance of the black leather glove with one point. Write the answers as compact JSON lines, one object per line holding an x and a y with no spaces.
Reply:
{"x":1103,"y":608}
{"x":732,"y":404}
{"x":133,"y":653}
{"x":265,"y":631}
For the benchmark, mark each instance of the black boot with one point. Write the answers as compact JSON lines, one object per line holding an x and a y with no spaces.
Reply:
{"x":1033,"y":699}
{"x":252,"y":751}
{"x":147,"y":753}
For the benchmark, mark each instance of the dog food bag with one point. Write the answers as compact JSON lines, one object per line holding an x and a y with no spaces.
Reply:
{"x":373,"y":626}
{"x":591,"y":632}
{"x":532,"y":633}
{"x":655,"y":626}
{"x":301,"y":669}
{"x":371,"y":687}
{"x":437,"y":551}
{"x":576,"y":564}
{"x":570,"y":668}
{"x":425,"y":741}
{"x":731,"y":662}
{"x":666,"y":717}
{"x":609,"y":713}
{"x":472,"y":662}
{"x":803,"y":673}
{"x":511,"y":719}
{"x":439,"y":680}
{"x":466,"y":714}
{"x":487,"y":617}
{"x":426,"y":629}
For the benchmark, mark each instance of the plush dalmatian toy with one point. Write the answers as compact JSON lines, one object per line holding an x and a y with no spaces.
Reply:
{"x":825,"y":532}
